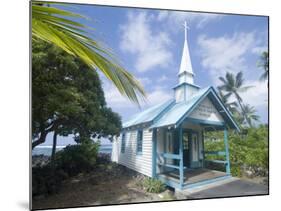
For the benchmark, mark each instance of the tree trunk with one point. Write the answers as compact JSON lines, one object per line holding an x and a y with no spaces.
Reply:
{"x":40,"y":140}
{"x":243,"y":111}
{"x":54,"y":145}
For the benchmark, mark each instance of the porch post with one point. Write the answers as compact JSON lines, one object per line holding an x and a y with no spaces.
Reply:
{"x":181,"y":156}
{"x":154,"y":152}
{"x":203,"y":148}
{"x":226,"y":151}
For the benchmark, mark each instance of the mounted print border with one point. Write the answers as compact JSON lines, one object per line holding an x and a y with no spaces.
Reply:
{"x":138,"y":105}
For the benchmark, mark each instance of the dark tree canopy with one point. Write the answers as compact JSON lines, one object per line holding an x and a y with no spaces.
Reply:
{"x":67,"y":97}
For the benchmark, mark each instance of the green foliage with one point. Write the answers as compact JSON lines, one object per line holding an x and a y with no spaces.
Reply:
{"x":67,"y":96}
{"x":62,"y":28}
{"x":70,"y":161}
{"x":152,"y":185}
{"x":74,"y":159}
{"x":247,"y":151}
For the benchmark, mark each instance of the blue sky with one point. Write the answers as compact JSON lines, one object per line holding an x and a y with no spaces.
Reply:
{"x":149,"y":44}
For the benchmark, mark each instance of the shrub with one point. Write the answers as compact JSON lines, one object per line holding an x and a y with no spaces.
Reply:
{"x":152,"y":185}
{"x":247,"y":152}
{"x":75,"y":159}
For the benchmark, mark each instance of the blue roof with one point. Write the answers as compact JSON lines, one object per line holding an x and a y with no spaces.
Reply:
{"x":147,"y":115}
{"x":172,"y":113}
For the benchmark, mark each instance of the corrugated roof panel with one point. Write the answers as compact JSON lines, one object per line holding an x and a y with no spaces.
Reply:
{"x":147,"y":115}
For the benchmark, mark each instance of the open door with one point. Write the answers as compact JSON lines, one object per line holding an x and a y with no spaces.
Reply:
{"x":194,"y":150}
{"x":186,"y":149}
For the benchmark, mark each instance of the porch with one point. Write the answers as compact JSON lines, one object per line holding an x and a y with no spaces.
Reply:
{"x":192,"y":177}
{"x":181,"y":160}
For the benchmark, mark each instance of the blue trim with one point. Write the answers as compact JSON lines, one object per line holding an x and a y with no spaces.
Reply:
{"x":154,"y":152}
{"x":171,"y":166}
{"x":169,"y":182}
{"x":225,"y":109}
{"x":185,"y":83}
{"x":217,"y":161}
{"x":176,"y":185}
{"x":215,"y":153}
{"x":206,"y":182}
{"x":139,"y":142}
{"x":192,"y":108}
{"x":123,"y":142}
{"x":181,"y":156}
{"x":201,"y":121}
{"x":213,"y":92}
{"x":203,"y":148}
{"x":171,"y":156}
{"x":226,"y":151}
{"x":163,"y":112}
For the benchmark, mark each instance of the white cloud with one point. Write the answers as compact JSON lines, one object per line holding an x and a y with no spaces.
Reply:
{"x":144,"y":80}
{"x":163,"y":78}
{"x":259,"y":49}
{"x":256,"y":96}
{"x":200,"y":20}
{"x":225,"y":53}
{"x":151,"y":49}
{"x":158,"y":95}
{"x":115,"y":100}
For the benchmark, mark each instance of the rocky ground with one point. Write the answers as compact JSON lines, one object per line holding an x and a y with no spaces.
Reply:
{"x":108,"y":184}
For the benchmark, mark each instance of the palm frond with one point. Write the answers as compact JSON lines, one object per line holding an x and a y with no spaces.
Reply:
{"x":55,"y":26}
{"x":239,"y":79}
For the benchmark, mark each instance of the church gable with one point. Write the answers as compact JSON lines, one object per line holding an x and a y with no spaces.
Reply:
{"x":205,"y":110}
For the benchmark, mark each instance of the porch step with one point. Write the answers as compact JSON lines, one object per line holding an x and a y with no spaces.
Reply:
{"x":207,"y":185}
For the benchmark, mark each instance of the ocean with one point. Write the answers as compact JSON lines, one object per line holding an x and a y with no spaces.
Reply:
{"x":47,"y":150}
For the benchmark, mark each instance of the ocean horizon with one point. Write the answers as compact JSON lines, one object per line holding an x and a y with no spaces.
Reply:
{"x":47,"y":150}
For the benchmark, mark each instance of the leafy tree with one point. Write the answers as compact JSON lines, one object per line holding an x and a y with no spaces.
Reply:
{"x":58,"y":26}
{"x":67,"y":97}
{"x":264,"y":64}
{"x":234,"y":85}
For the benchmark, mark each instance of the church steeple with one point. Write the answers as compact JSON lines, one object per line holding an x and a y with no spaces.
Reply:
{"x":186,"y":87}
{"x":185,"y":72}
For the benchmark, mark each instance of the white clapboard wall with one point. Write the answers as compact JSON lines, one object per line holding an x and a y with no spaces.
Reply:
{"x":139,"y":162}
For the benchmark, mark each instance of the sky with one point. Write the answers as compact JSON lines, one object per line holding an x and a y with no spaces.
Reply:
{"x":148,"y":43}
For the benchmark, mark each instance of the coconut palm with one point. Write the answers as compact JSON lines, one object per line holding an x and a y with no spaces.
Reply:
{"x":250,"y":114}
{"x":231,"y":106}
{"x":58,"y":26}
{"x":264,"y":64}
{"x":234,"y":86}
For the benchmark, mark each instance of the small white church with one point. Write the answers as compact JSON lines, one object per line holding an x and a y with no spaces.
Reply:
{"x":166,"y":141}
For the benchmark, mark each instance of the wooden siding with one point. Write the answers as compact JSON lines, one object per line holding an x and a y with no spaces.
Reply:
{"x":139,"y":162}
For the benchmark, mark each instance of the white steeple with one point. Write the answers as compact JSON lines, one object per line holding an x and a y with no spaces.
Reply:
{"x":186,"y":87}
{"x":185,"y":73}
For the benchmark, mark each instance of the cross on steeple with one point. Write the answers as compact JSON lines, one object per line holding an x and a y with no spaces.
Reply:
{"x":186,"y":27}
{"x":185,"y":71}
{"x":186,"y":87}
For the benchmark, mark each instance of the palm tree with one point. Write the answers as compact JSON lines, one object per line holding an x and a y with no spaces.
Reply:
{"x":264,"y":64}
{"x":234,"y":85}
{"x":231,"y":106}
{"x":57,"y":26}
{"x":250,"y":114}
